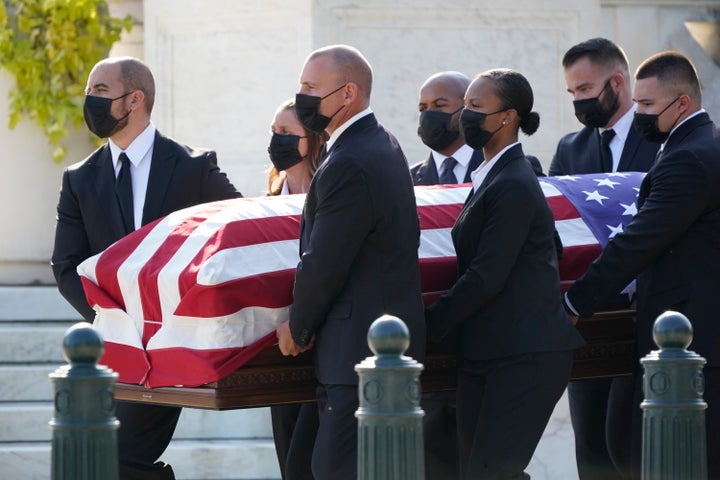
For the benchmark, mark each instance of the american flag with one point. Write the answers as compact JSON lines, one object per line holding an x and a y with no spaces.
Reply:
{"x":191,"y":297}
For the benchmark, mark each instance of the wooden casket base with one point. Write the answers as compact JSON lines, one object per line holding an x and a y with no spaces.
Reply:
{"x":272,"y":379}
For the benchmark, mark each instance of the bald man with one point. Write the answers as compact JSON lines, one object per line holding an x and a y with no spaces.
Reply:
{"x":163,"y":176}
{"x":358,"y":245}
{"x":440,"y":102}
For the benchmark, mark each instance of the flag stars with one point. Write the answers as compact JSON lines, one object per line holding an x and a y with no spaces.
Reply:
{"x":614,"y":230}
{"x":595,"y":195}
{"x":618,"y":174}
{"x":629,"y":209}
{"x":606,"y":182}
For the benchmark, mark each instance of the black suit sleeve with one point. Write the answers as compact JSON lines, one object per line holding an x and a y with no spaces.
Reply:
{"x":556,"y":167}
{"x":71,"y":248}
{"x":342,"y":220}
{"x":679,"y":193}
{"x":217,"y":186}
{"x":509,"y":213}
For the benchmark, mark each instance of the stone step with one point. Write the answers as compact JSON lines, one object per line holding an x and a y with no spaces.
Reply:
{"x":28,"y":422}
{"x":35,"y":303}
{"x":191,"y":460}
{"x":32,"y":342}
{"x":26,"y":383}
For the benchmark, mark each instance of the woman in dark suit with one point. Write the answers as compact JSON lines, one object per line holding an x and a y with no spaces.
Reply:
{"x":515,"y":340}
{"x":295,"y":155}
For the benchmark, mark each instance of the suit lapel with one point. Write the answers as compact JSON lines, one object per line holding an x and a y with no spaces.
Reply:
{"x":427,"y":173}
{"x":632,"y":143}
{"x":507,"y":157}
{"x":105,"y":191}
{"x":161,"y":170}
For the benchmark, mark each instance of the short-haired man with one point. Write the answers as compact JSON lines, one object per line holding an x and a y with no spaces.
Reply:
{"x":672,"y":244}
{"x":597,"y":76}
{"x":358,"y":247}
{"x":138,"y":176}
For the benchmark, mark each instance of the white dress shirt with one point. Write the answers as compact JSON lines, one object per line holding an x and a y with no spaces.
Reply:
{"x":478,"y":175}
{"x":462,"y":155}
{"x":622,"y":129}
{"x":140,"y":154}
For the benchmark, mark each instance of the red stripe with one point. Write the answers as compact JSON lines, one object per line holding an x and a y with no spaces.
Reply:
{"x":111,"y":259}
{"x":576,"y":260}
{"x":438,"y":216}
{"x":437,"y":274}
{"x":131,"y":364}
{"x":270,"y":290}
{"x":561,"y":208}
{"x":200,"y":366}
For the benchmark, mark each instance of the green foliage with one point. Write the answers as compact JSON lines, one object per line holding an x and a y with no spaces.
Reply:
{"x":49,"y":47}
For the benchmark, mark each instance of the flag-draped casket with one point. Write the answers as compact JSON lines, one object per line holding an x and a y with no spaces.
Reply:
{"x":191,"y":297}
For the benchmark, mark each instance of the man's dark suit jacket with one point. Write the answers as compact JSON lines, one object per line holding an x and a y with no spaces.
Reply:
{"x":506,"y":300}
{"x":425,"y":173}
{"x":579,"y":153}
{"x":358,"y":247}
{"x":88,"y":214}
{"x":672,"y":244}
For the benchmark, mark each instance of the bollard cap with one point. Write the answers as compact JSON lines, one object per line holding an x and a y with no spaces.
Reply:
{"x":388,"y":335}
{"x":672,"y":330}
{"x":82,"y":344}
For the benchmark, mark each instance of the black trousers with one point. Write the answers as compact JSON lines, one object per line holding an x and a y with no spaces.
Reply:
{"x":335,"y":452}
{"x":144,"y":434}
{"x":294,"y":428}
{"x":601,"y":411}
{"x":440,"y":435}
{"x":503,"y":408}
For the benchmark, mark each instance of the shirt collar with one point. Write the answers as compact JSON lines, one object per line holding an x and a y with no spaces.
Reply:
{"x":479,"y":174}
{"x":139,"y":147}
{"x":345,"y":126}
{"x":462,"y":155}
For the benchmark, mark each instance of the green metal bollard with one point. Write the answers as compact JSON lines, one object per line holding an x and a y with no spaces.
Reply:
{"x":390,"y":435}
{"x":673,"y":438}
{"x":84,"y":441}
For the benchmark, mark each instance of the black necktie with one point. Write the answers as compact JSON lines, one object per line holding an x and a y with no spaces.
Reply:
{"x":447,"y":176}
{"x":605,"y":153}
{"x":123,"y":190}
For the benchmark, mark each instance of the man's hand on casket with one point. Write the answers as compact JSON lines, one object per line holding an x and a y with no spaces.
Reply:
{"x":569,"y":309}
{"x":287,"y":343}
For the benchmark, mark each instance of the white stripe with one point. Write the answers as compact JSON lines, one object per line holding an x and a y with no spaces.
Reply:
{"x":436,"y":243}
{"x":434,"y":196}
{"x":550,"y":190}
{"x":233,"y":263}
{"x":116,"y":326}
{"x":574,"y":233}
{"x":88,"y":268}
{"x":239,"y":329}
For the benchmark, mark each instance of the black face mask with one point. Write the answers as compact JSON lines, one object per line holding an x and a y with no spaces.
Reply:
{"x":434,"y":129}
{"x":590,"y":111}
{"x":308,"y":111}
{"x":472,"y":125}
{"x":646,"y":124}
{"x":97,"y":114}
{"x":284,"y":152}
